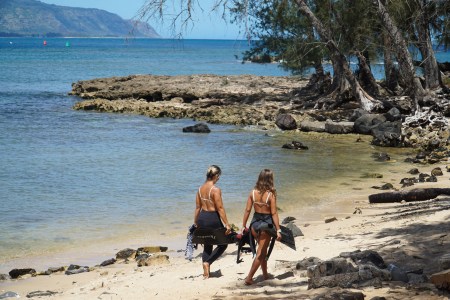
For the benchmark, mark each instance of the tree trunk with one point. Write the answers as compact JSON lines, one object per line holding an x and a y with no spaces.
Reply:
{"x":431,"y":70}
{"x":408,"y":196}
{"x":403,"y":56}
{"x":343,"y":76}
{"x":390,"y":70}
{"x":365,"y":75}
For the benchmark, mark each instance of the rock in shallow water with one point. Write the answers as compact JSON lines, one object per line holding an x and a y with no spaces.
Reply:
{"x":295,"y":145}
{"x":197,"y":128}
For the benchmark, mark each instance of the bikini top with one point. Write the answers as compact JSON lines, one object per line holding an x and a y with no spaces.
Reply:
{"x":261,"y":203}
{"x":209,"y":195}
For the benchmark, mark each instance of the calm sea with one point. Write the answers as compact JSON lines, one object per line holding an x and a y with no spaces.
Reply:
{"x":75,"y":181}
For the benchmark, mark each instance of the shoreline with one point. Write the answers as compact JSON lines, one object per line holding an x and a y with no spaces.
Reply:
{"x":376,"y":228}
{"x":144,"y":231}
{"x":310,"y":211}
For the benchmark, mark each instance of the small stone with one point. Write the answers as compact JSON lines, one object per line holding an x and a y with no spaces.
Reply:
{"x":387,"y":186}
{"x":436,"y":172}
{"x":372,"y":175}
{"x":126,"y":254}
{"x":414,"y":171}
{"x":153,"y":249}
{"x":15,"y":273}
{"x":154,"y":260}
{"x":108,"y":262}
{"x":381,"y":157}
{"x":55,"y":269}
{"x":329,"y":220}
{"x":40,"y":294}
{"x":4,"y":277}
{"x":295,"y":145}
{"x":431,"y":179}
{"x":9,"y":295}
{"x":75,"y":269}
{"x":441,"y":279}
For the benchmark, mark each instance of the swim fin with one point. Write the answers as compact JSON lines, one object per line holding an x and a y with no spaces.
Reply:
{"x":210,"y":236}
{"x":287,"y":237}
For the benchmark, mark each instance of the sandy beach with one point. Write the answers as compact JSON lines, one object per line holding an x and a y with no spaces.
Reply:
{"x":412,"y":235}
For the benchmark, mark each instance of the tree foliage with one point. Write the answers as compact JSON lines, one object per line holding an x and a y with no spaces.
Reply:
{"x":302,"y":34}
{"x":278,"y":32}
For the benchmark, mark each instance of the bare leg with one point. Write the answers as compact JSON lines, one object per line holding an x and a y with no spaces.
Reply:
{"x":205,"y":270}
{"x":207,"y":251}
{"x":264,"y":269}
{"x":260,"y":259}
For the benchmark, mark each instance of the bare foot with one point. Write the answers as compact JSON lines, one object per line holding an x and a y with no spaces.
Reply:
{"x":205,"y":270}
{"x":268,"y":276}
{"x":248,"y":281}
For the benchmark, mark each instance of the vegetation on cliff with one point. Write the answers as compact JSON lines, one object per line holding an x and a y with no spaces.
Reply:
{"x":34,"y":18}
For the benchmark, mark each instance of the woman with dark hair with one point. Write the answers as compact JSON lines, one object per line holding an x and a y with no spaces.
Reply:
{"x":210,"y":213}
{"x":263,"y":198}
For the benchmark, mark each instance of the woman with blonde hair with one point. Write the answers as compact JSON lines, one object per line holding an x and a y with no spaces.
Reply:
{"x":263,"y":198}
{"x":210,"y":213}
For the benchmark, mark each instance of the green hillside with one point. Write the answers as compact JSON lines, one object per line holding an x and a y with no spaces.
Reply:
{"x":34,"y":18}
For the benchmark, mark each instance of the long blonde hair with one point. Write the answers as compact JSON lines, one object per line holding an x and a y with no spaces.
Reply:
{"x":265,"y":182}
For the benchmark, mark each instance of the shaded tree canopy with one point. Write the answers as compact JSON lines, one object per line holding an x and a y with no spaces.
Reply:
{"x":302,"y":34}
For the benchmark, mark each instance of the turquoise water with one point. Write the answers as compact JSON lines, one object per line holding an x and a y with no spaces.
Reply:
{"x":69,"y":178}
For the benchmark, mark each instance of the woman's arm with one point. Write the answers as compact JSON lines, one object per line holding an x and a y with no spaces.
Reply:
{"x":248,"y":209}
{"x":198,"y":206}
{"x":275,"y":218}
{"x":217,"y":196}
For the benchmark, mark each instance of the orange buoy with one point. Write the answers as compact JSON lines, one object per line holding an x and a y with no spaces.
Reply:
{"x":45,"y":43}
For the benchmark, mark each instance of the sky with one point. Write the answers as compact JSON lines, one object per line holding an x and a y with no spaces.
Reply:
{"x":207,"y":25}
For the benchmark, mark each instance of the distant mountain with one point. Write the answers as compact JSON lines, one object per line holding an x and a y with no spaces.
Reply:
{"x":34,"y":18}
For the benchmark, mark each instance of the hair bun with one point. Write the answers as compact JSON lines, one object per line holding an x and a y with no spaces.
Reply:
{"x":212,"y":171}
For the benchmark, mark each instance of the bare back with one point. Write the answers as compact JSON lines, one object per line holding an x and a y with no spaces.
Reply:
{"x":262,"y":202}
{"x":206,"y":196}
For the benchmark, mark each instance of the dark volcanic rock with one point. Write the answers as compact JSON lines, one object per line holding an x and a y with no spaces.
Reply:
{"x":388,"y":134}
{"x":15,"y":273}
{"x":295,"y":145}
{"x":286,"y":122}
{"x":197,"y":128}
{"x":367,"y":122}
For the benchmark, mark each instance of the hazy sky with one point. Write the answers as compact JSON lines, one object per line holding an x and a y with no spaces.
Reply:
{"x":207,"y":26}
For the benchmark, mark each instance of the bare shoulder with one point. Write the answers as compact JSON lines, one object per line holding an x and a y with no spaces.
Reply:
{"x":272,"y":197}
{"x":216,"y":191}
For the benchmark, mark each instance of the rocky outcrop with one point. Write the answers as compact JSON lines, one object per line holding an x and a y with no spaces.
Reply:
{"x":349,"y":269}
{"x":237,"y":100}
{"x":267,"y":102}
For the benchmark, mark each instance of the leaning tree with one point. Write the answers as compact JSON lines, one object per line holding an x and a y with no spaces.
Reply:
{"x":319,"y":29}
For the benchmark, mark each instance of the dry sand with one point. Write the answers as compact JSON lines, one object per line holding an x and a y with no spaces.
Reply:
{"x":410,"y":235}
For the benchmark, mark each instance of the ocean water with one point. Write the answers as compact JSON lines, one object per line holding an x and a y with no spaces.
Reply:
{"x":74,"y":180}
